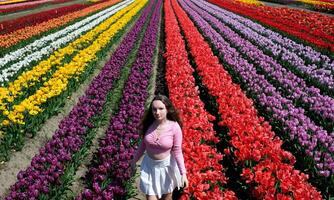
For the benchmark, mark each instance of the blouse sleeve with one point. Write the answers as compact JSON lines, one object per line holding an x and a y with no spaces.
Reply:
{"x":140,"y":151}
{"x":177,"y":148}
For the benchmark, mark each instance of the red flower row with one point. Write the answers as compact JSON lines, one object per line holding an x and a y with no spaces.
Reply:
{"x":18,"y":23}
{"x":272,"y":175}
{"x":204,"y":172}
{"x":314,"y":28}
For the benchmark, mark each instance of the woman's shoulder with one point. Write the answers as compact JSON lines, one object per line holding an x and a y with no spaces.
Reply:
{"x":172,"y":123}
{"x":175,"y":125}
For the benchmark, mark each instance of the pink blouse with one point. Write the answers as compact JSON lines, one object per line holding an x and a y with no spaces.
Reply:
{"x":168,"y":141}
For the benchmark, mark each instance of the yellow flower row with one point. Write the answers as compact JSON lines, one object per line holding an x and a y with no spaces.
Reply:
{"x":252,"y":2}
{"x":58,"y":83}
{"x":316,"y":2}
{"x":30,"y":78}
{"x":11,"y":1}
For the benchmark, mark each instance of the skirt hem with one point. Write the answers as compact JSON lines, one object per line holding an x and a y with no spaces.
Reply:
{"x":159,"y":177}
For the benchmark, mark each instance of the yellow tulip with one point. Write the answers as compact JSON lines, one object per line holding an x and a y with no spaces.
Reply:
{"x":252,"y":2}
{"x":6,"y":112}
{"x":316,"y":2}
{"x":19,"y":108}
{"x":59,"y":80}
{"x":33,"y":112}
{"x":55,"y":60}
{"x":10,"y":99}
{"x":5,"y":122}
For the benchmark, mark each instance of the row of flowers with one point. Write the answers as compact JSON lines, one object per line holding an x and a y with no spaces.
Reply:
{"x":317,"y":2}
{"x":319,"y":5}
{"x":251,"y":136}
{"x":11,"y":1}
{"x":29,"y":5}
{"x":23,"y":58}
{"x":251,"y":2}
{"x":316,"y":141}
{"x":54,"y":64}
{"x":316,"y":29}
{"x":204,"y":171}
{"x":110,"y":170}
{"x":22,"y":34}
{"x":299,"y":57}
{"x":25,"y":116}
{"x":33,"y":19}
{"x":48,"y":167}
{"x":293,"y":87}
{"x":270,"y":37}
{"x":23,"y":4}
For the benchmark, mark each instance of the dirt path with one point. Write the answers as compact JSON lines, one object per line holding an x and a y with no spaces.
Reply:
{"x":39,"y":9}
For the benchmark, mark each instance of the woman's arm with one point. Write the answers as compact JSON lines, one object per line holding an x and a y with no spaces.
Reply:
{"x":140,"y":151}
{"x":177,"y":148}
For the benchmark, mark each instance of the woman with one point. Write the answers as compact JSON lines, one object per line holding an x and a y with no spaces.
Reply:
{"x":162,"y":168}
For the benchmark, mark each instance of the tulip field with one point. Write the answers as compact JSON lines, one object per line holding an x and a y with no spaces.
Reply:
{"x":253,"y":83}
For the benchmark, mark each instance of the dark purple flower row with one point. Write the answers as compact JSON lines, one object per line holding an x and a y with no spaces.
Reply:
{"x":284,"y":49}
{"x":116,"y":150}
{"x":301,"y":128}
{"x":295,"y":87}
{"x":47,"y":167}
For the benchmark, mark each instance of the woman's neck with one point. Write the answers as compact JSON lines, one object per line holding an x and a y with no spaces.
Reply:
{"x":162,"y":122}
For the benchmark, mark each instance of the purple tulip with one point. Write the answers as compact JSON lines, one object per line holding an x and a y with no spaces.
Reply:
{"x":115,"y":149}
{"x":319,"y":67}
{"x":87,"y":194}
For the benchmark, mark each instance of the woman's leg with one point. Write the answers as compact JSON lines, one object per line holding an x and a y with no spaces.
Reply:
{"x":151,"y":197}
{"x":167,"y":196}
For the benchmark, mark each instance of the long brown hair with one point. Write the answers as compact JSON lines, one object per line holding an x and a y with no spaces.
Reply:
{"x":148,"y":119}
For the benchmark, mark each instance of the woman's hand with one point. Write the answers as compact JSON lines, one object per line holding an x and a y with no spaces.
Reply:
{"x":185,"y":181}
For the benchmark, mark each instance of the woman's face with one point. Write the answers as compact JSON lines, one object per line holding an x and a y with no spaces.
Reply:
{"x":159,"y":110}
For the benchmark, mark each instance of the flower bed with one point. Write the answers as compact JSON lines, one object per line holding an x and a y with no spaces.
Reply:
{"x":28,"y":5}
{"x":315,"y":140}
{"x":250,"y":135}
{"x":17,"y":36}
{"x":300,"y":59}
{"x":28,"y":114}
{"x":33,"y":19}
{"x":313,"y":28}
{"x":109,"y":172}
{"x":48,"y":167}
{"x":23,"y":59}
{"x":293,"y":87}
{"x":204,"y":172}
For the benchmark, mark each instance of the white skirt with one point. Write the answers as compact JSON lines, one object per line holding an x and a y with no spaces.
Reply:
{"x":158,"y":177}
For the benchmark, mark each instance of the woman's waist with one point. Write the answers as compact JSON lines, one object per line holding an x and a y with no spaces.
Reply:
{"x":161,"y":160}
{"x":158,"y":153}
